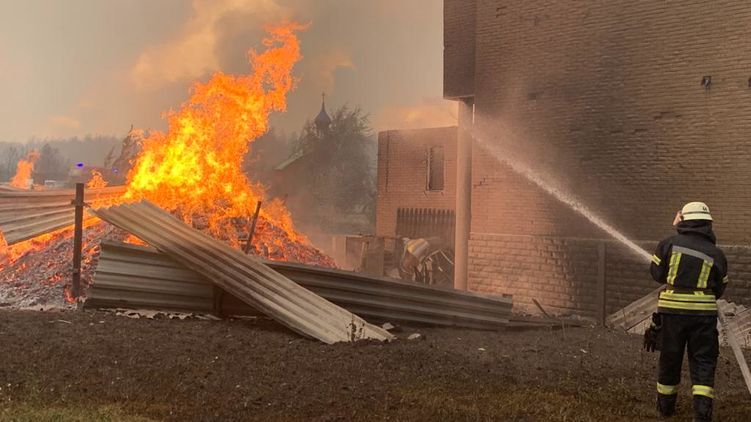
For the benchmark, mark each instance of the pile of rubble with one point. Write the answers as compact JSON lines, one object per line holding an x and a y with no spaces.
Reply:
{"x":40,"y":276}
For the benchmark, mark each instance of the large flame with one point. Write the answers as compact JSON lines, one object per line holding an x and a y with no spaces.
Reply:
{"x":24,"y":170}
{"x":196,"y":167}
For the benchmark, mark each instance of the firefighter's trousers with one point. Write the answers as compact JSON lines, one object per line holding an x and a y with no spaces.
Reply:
{"x":698,"y":334}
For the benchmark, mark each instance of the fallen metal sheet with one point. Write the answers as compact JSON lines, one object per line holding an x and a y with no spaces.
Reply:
{"x":731,"y":329}
{"x":242,"y":275}
{"x":27,"y":214}
{"x":635,"y":318}
{"x":137,"y":276}
{"x":636,"y":312}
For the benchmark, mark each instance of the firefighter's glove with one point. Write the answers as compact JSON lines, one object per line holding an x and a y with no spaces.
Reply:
{"x":652,"y":334}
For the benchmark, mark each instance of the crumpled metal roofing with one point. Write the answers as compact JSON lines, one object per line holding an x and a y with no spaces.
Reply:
{"x":635,"y":312}
{"x":27,"y":214}
{"x":133,"y":276}
{"x":636,"y":317}
{"x":242,"y":275}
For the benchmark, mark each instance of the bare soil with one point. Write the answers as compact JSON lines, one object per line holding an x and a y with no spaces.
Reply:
{"x":79,"y":365}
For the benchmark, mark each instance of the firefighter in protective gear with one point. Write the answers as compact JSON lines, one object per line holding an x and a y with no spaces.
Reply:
{"x":695,"y":271}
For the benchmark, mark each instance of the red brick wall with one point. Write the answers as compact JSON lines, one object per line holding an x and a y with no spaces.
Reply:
{"x":402,"y":173}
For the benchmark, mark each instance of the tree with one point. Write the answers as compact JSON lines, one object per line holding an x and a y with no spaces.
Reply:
{"x":51,"y":164}
{"x":11,"y":155}
{"x":109,"y":158}
{"x":338,"y":163}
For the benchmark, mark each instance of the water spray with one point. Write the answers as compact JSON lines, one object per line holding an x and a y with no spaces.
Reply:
{"x":572,"y":202}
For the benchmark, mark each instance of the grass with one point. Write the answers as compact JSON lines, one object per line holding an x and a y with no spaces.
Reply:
{"x":519,"y":403}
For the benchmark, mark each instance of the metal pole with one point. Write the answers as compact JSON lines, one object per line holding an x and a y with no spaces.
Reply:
{"x":252,"y":228}
{"x":78,"y":203}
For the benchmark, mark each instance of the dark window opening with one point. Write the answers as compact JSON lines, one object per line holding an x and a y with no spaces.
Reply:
{"x":435,"y":168}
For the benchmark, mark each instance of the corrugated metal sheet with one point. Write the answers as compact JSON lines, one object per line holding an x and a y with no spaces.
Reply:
{"x":25,"y":214}
{"x":635,"y":317}
{"x":241,"y":275}
{"x":139,"y":277}
{"x":636,"y":312}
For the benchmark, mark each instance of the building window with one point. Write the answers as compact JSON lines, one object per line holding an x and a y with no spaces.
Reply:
{"x":435,"y":168}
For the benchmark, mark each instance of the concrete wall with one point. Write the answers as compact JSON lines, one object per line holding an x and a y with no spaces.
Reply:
{"x":402,"y":173}
{"x":604,"y":100}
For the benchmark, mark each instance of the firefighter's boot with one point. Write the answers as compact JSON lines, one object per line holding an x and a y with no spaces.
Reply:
{"x":666,"y":404}
{"x":702,"y":409}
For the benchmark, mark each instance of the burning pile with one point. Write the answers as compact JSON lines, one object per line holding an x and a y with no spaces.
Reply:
{"x":34,"y":273}
{"x":194,"y":170}
{"x":24,"y":169}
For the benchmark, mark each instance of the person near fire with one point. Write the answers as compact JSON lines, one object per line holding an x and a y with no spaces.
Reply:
{"x":694,"y":271}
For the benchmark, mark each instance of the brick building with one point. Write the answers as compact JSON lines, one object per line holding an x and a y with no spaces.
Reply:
{"x":416,"y":170}
{"x":633,"y":107}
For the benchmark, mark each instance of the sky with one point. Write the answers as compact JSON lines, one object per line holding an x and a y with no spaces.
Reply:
{"x":77,"y":67}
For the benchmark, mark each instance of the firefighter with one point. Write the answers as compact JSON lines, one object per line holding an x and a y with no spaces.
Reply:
{"x":695,"y":271}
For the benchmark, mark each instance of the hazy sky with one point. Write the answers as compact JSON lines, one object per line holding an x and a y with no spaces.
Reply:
{"x":77,"y":67}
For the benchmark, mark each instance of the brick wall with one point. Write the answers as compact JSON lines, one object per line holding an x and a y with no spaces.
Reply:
{"x":402,"y":173}
{"x":591,"y":277}
{"x":604,"y":100}
{"x":459,"y":18}
{"x":560,"y":273}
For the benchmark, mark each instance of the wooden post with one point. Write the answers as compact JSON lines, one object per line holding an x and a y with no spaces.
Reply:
{"x":252,"y":228}
{"x":218,"y":298}
{"x":78,"y":203}
{"x":601,"y":282}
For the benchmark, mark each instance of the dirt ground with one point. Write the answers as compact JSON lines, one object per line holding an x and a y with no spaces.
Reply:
{"x":84,"y":366}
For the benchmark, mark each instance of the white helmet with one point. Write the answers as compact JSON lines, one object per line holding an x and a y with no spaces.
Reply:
{"x":696,"y":211}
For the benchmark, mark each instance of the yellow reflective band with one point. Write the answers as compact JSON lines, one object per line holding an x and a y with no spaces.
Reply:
{"x":725,"y":280}
{"x":687,"y":306}
{"x":706,"y":267}
{"x":675,"y":261}
{"x":667,"y":390}
{"x":703,"y":390}
{"x":656,"y":259}
{"x":700,"y":297}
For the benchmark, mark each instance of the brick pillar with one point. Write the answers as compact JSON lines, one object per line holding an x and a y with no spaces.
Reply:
{"x":463,"y":193}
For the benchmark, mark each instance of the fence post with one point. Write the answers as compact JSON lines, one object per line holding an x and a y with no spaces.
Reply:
{"x":78,"y":203}
{"x":601,"y":282}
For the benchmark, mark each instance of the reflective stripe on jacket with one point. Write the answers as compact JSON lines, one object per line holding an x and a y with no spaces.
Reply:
{"x":694,"y":269}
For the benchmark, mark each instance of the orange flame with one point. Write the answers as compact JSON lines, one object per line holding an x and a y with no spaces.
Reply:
{"x":24,"y":169}
{"x":96,"y":181}
{"x":196,"y":167}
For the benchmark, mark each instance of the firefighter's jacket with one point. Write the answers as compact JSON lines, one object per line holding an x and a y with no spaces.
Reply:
{"x":694,"y":269}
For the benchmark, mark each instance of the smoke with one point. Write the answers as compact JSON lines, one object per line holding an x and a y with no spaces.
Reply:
{"x":107,"y":65}
{"x":430,"y":112}
{"x":193,"y":53}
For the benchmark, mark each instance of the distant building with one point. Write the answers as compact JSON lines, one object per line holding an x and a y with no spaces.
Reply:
{"x":416,"y":182}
